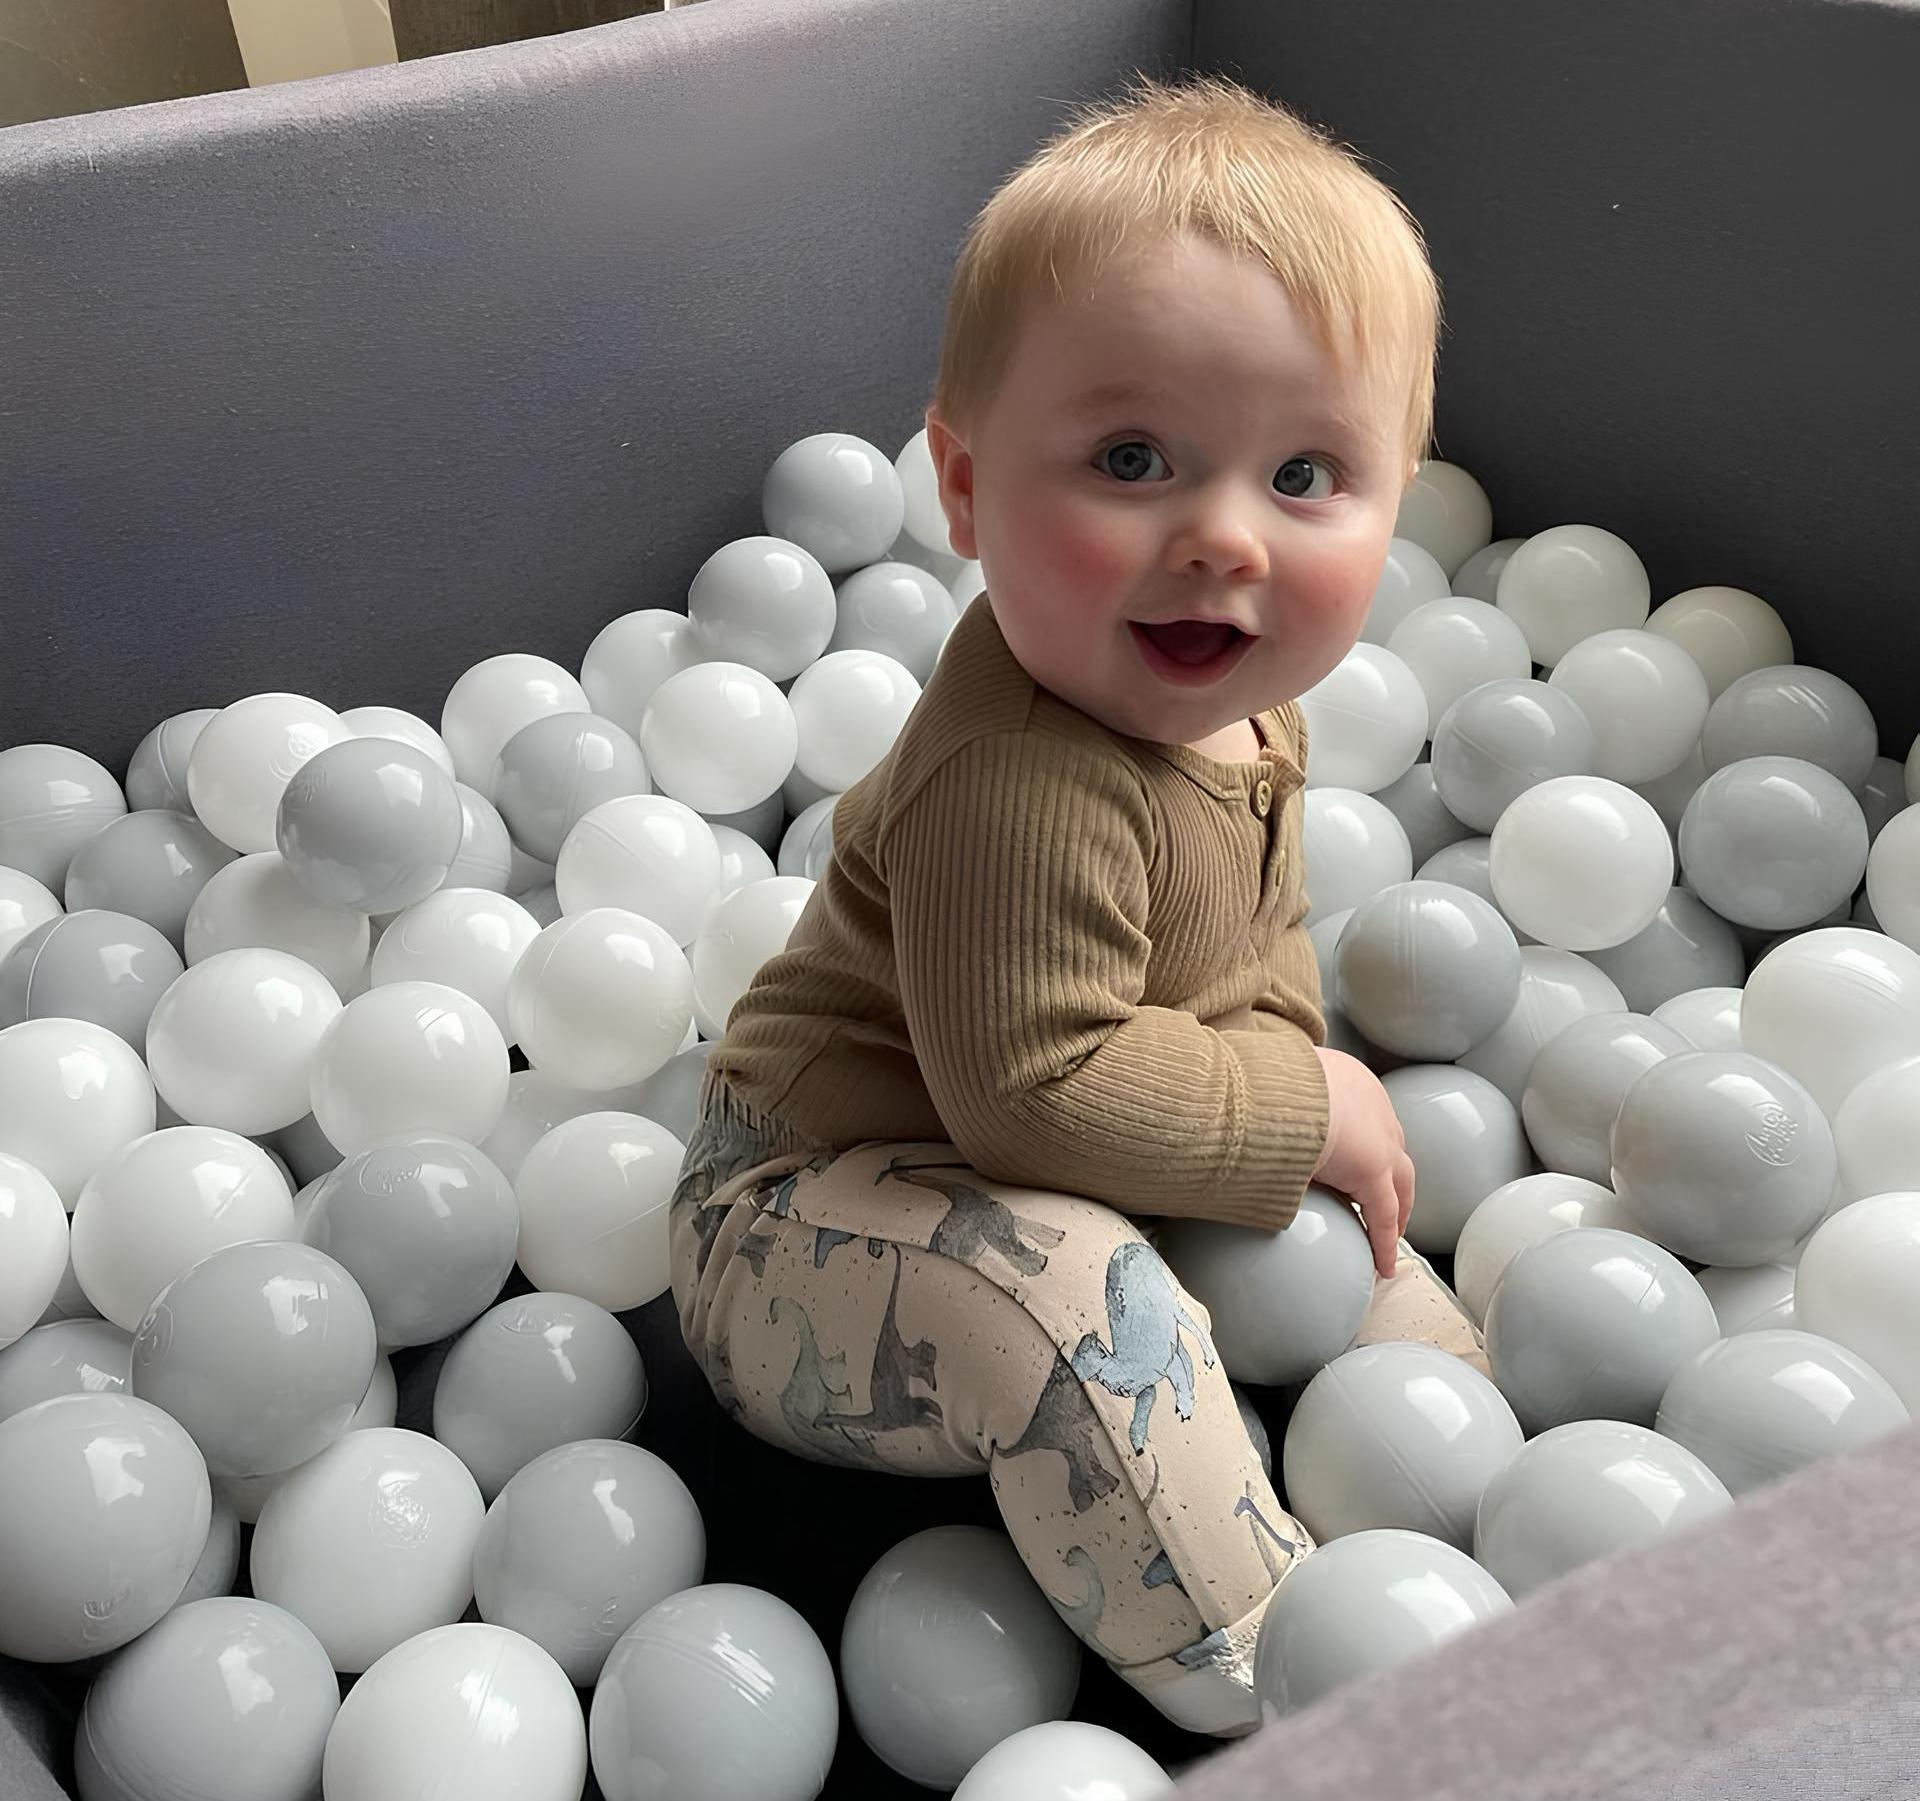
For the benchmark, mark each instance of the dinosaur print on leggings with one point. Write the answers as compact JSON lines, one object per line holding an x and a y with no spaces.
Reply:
{"x":1144,"y":1317}
{"x":976,"y":1222}
{"x":1064,"y":1421}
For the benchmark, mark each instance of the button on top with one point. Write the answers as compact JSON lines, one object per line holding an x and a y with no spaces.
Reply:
{"x":1263,"y":797}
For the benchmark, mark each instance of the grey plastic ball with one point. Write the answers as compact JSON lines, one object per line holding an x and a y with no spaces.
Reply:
{"x":219,"y":1564}
{"x":1502,"y":738}
{"x":1361,"y":1605}
{"x":1581,"y":1491}
{"x":151,"y":864}
{"x":307,"y":1151}
{"x":1578,"y":1081}
{"x":262,"y":1351}
{"x":715,"y":1693}
{"x":1556,"y":988}
{"x":1773,"y":843}
{"x":1793,"y":710}
{"x":1427,"y":970}
{"x":426,"y":1225}
{"x":52,"y":800}
{"x":1396,"y":1435}
{"x":370,"y":824}
{"x":670,"y":1097}
{"x":89,"y":1562}
{"x":157,"y":775}
{"x":1465,"y":1139}
{"x":485,"y":858}
{"x":580,"y":1543}
{"x":1723,"y":1158}
{"x":1283,"y":1304}
{"x":558,"y":767}
{"x":64,"y":1357}
{"x":1767,"y":1403}
{"x":1758,"y":1299}
{"x":1416,"y":803}
{"x":107,"y":968}
{"x":949,"y":1647}
{"x":224,"y":1700}
{"x":535,"y":1372}
{"x":1593,"y":1323}
{"x":1687,"y":946}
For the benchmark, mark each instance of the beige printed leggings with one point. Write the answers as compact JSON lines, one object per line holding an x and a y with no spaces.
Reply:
{"x":886,"y":1307}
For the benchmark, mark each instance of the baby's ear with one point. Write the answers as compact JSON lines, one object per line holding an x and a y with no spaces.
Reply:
{"x":953,"y":464}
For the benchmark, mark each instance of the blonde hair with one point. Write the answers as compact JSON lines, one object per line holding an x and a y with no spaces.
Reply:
{"x":1207,"y":158}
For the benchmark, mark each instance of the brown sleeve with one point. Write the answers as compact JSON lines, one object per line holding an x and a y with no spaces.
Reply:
{"x":1017,"y":876}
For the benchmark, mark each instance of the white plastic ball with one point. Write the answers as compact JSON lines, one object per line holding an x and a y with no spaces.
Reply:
{"x":1366,"y":721}
{"x":764,"y":602}
{"x":52,"y":800}
{"x":396,"y":722}
{"x":1831,"y":1007}
{"x":807,"y":847}
{"x":898,"y":610}
{"x":1518,"y":1214}
{"x":1580,"y":862}
{"x":848,"y":709}
{"x":925,"y":518}
{"x":254,"y":903}
{"x":1893,"y":878}
{"x":33,"y":1246}
{"x":370,"y":1543}
{"x":1556,"y":988}
{"x":741,"y":861}
{"x":157,"y":773}
{"x":161,"y":1204}
{"x":1707,"y":1018}
{"x":1478,"y":578}
{"x":1855,"y":1284}
{"x":1759,"y":1298}
{"x":644,"y":853}
{"x":593,"y":1197}
{"x":1065,"y":1760}
{"x":409,"y":1057}
{"x":1727,"y":631}
{"x":718,"y":736}
{"x":1409,"y":578}
{"x":1354,"y":846}
{"x":233,"y":1041}
{"x":742,"y":932}
{"x":1874,"y":1135}
{"x":1644,"y":696}
{"x":468,"y":939}
{"x":493,"y":700}
{"x":71,"y":1095}
{"x":630,"y":657}
{"x":836,"y":495}
{"x":1571,"y":582}
{"x":246,"y":755}
{"x":1455,"y":644}
{"x":24,"y":904}
{"x":1446,"y":512}
{"x":601,"y":999}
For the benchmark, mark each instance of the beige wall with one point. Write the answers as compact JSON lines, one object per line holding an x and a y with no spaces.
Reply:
{"x":284,"y":40}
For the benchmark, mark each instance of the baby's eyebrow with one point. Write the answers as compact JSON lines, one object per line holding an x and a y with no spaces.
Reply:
{"x":1114,"y":393}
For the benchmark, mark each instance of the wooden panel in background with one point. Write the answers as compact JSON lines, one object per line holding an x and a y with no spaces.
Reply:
{"x":59,"y":57}
{"x":429,"y":27}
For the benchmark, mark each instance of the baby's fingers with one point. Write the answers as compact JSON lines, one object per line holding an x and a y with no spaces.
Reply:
{"x":1380,"y":1208}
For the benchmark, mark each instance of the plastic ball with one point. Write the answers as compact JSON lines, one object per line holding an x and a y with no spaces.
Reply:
{"x":1707,"y":1018}
{"x":52,"y":800}
{"x":925,"y":520}
{"x":1478,"y":578}
{"x":764,"y":602}
{"x":1727,"y":631}
{"x":1644,"y":696}
{"x":716,"y":1692}
{"x":370,"y":1543}
{"x":1283,"y":1304}
{"x":234,"y":1041}
{"x":244,"y":758}
{"x":848,"y":709}
{"x":1793,"y":710}
{"x":24,"y":904}
{"x":1893,"y":878}
{"x":1570,"y":583}
{"x":555,"y":770}
{"x":426,"y":1225}
{"x":950,"y":1647}
{"x":1465,"y":1139}
{"x":838,"y":497}
{"x":580,"y":1543}
{"x":1829,"y":1007}
{"x":746,"y":929}
{"x":157,"y":774}
{"x":1883,"y":795}
{"x":1423,"y":815}
{"x":1592,"y":1323}
{"x":466,"y":939}
{"x":33,"y":1246}
{"x":1452,"y":646}
{"x":104,"y":1510}
{"x":1446,"y":512}
{"x":807,"y":847}
{"x":1686,"y":946}
{"x":1669,"y":794}
{"x":1396,"y":1435}
{"x":1759,"y":1298}
{"x":1722,"y":1158}
{"x":1355,"y":848}
{"x":493,"y":700}
{"x":1366,"y":721}
{"x":1464,"y":864}
{"x":601,"y":998}
{"x":718,"y":736}
{"x":71,"y":1094}
{"x":1580,"y":862}
{"x":1873,"y":1134}
{"x":1515,"y":1215}
{"x":405,"y":727}
{"x":254,"y":903}
{"x":741,"y":859}
{"x":371,"y":824}
{"x":1581,"y":1491}
{"x":630,"y":657}
{"x":593,"y":1208}
{"x":1764,"y":1404}
{"x":647,"y":854}
{"x":536,"y":1103}
{"x":247,"y":1495}
{"x":1502,"y":738}
{"x":1410,"y":577}
{"x":1855,"y":1284}
{"x":108,"y":968}
{"x":151,"y":865}
{"x":1065,"y":1760}
{"x":409,"y":1057}
{"x":1362,"y":1605}
{"x":485,"y":858}
{"x":899,"y":611}
{"x":1427,"y":970}
{"x":1773,"y":843}
{"x":1556,"y":988}
{"x":219,"y":1566}
{"x":1578,"y":1081}
{"x":63,"y":1357}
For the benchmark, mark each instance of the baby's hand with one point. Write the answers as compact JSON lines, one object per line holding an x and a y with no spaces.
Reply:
{"x":1365,"y":1156}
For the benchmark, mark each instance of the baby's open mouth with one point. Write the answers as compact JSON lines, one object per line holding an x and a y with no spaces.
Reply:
{"x":1192,"y":641}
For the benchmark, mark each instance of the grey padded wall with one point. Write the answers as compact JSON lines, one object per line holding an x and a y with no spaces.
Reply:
{"x":342,"y":385}
{"x":1675,"y":243}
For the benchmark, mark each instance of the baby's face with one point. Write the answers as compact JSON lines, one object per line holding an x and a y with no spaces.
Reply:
{"x":1243,"y":478}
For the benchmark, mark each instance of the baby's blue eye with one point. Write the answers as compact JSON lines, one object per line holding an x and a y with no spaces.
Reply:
{"x":1133,"y":459}
{"x":1295,"y":479}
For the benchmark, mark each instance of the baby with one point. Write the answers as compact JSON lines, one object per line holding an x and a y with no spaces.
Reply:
{"x":1056,"y":982}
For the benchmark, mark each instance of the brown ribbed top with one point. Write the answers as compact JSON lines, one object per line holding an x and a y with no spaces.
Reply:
{"x":1078,"y":957}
